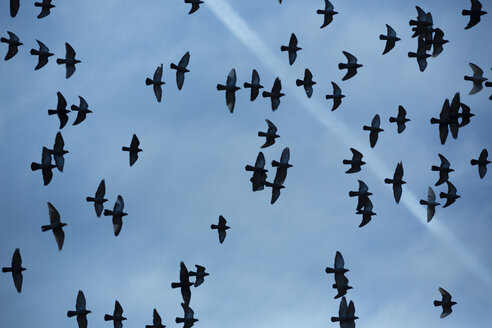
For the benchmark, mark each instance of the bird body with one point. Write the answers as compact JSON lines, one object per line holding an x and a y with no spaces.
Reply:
{"x":351,"y":66}
{"x":336,"y":96}
{"x":356,"y":162}
{"x":307,"y":82}
{"x":16,"y":270}
{"x":444,"y":169}
{"x":181,"y":69}
{"x":327,"y":13}
{"x":362,"y":194}
{"x":46,"y":6}
{"x":450,"y":196}
{"x":133,"y":149}
{"x":282,"y":166}
{"x":270,"y":135}
{"x":184,"y":283}
{"x":99,"y":199}
{"x":69,"y":61}
{"x":82,"y":111}
{"x":276,"y":187}
{"x":14,"y":42}
{"x":157,"y":321}
{"x":43,"y":54}
{"x":199,"y":274}
{"x":46,"y":166}
{"x":475,"y":13}
{"x":117,"y":316}
{"x":275,"y":94}
{"x":230,"y":89}
{"x":390,"y":39}
{"x":401,"y":119}
{"x":56,"y":226}
{"x":482,"y":163}
{"x":366,"y":213}
{"x":446,"y":303}
{"x":221,"y":228}
{"x":14,"y":7}
{"x":188,"y":318}
{"x":58,"y":151}
{"x":117,"y":214}
{"x":397,"y":182}
{"x":374,"y":130}
{"x":430,"y":203}
{"x":156,"y":82}
{"x":81,"y":311}
{"x":259,"y":172}
{"x":195,"y":5}
{"x":292,"y":48}
{"x":255,"y":85}
{"x":477,"y":79}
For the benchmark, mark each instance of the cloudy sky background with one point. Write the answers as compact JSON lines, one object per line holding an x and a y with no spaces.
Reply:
{"x":270,"y":270}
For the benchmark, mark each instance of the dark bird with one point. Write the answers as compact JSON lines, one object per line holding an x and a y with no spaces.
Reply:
{"x":58,"y":151}
{"x":390,"y":38}
{"x":82,"y":111}
{"x":338,"y":266}
{"x":401,"y":119}
{"x":80,"y":311}
{"x":446,"y":303}
{"x":43,"y":54}
{"x":341,"y":285}
{"x":184,"y":283}
{"x":181,"y":69}
{"x":454,"y":115}
{"x":356,"y":161}
{"x":475,"y":13}
{"x":430,"y":203}
{"x":69,"y":60}
{"x":156,"y":82}
{"x":465,"y":115}
{"x":56,"y":226}
{"x":117,"y":214}
{"x":157,"y":322}
{"x":117,"y":316}
{"x":221,"y":228}
{"x":230,"y":89}
{"x":98,"y":198}
{"x":397,"y":182}
{"x":188,"y":319}
{"x":270,"y":135}
{"x":45,"y":166}
{"x":421,"y":23}
{"x":421,"y":54}
{"x":133,"y":149}
{"x":199,"y":275}
{"x":14,"y":42}
{"x":444,"y":170}
{"x":14,"y":7}
{"x":366,"y":213}
{"x":276,"y":186}
{"x":45,"y":8}
{"x":351,"y":66}
{"x":336,"y":96}
{"x":451,"y":195}
{"x":482,"y":163}
{"x":346,"y":315}
{"x":255,"y":85}
{"x":195,"y":5}
{"x":438,"y":42}
{"x":327,"y":13}
{"x":375,"y":129}
{"x":292,"y":48}
{"x":362,"y":194}
{"x":275,"y":94}
{"x":61,"y":110}
{"x":16,"y":269}
{"x":259,"y":173}
{"x":477,"y":79}
{"x":282,"y":166}
{"x":443,"y":121}
{"x":307,"y":83}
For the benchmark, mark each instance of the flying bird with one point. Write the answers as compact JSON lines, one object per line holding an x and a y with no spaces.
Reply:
{"x":438,"y":42}
{"x":341,"y":285}
{"x":255,"y":85}
{"x":157,"y":83}
{"x":69,"y":60}
{"x":98,"y":198}
{"x":195,"y":5}
{"x":43,"y":54}
{"x":45,"y":166}
{"x":80,"y":311}
{"x":82,"y":111}
{"x":465,"y":115}
{"x":117,"y":214}
{"x":61,"y":110}
{"x":270,"y":135}
{"x":181,"y":69}
{"x":346,"y":315}
{"x":275,"y":94}
{"x":276,"y":187}
{"x":16,"y":269}
{"x":351,"y":66}
{"x":366,"y":213}
{"x":199,"y":275}
{"x":482,"y":163}
{"x":338,"y":266}
{"x":401,"y":119}
{"x":117,"y":316}
{"x":292,"y":49}
{"x":475,"y":13}
{"x":230,"y":89}
{"x":443,"y":121}
{"x":390,"y":38}
{"x":14,"y":42}
{"x":362,"y":194}
{"x":282,"y":166}
{"x":133,"y":149}
{"x":477,"y":79}
{"x":157,"y":321}
{"x":444,"y":170}
{"x":336,"y":96}
{"x":307,"y":82}
{"x":356,"y":161}
{"x":430,"y":203}
{"x":14,"y":7}
{"x":184,"y":283}
{"x":446,"y":303}
{"x":375,"y":129}
{"x":221,"y":228}
{"x":58,"y":151}
{"x":397,"y":182}
{"x":327,"y":13}
{"x":56,"y":226}
{"x":45,"y":8}
{"x":188,"y":319}
{"x":421,"y":54}
{"x":451,"y":195}
{"x":259,"y":173}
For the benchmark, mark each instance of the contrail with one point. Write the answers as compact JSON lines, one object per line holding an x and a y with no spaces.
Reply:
{"x":234,"y":22}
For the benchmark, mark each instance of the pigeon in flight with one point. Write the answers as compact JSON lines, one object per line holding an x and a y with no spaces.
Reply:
{"x":61,"y":110}
{"x":444,"y":170}
{"x":221,"y":228}
{"x":366,"y":213}
{"x":14,"y":42}
{"x":156,"y":82}
{"x":184,"y":283}
{"x":351,"y":66}
{"x":430,"y":203}
{"x":327,"y":13}
{"x":356,"y":161}
{"x":446,"y":303}
{"x":230,"y":89}
{"x":117,"y":316}
{"x":82,"y":111}
{"x":259,"y":173}
{"x":188,"y":319}
{"x":181,"y":69}
{"x":421,"y":23}
{"x":477,"y":79}
{"x":43,"y":54}
{"x":341,"y":285}
{"x":443,"y":121}
{"x":157,"y":321}
{"x":375,"y":129}
{"x":16,"y":269}
{"x":465,"y":115}
{"x":282,"y":166}
{"x":133,"y":149}
{"x":276,"y":186}
{"x":401,"y":119}
{"x":292,"y":48}
{"x":69,"y":60}
{"x":346,"y":315}
{"x":482,"y":163}
{"x":336,"y":96}
{"x":270,"y":135}
{"x":199,"y":275}
{"x":475,"y":13}
{"x":255,"y":85}
{"x":58,"y":151}
{"x":307,"y":83}
{"x":397,"y":181}
{"x":454,"y":109}
{"x":99,"y":199}
{"x":117,"y":214}
{"x":390,"y":38}
{"x":338,"y":266}
{"x":46,"y":166}
{"x":438,"y":42}
{"x":275,"y":94}
{"x":362,"y":194}
{"x":80,"y":311}
{"x":421,"y":54}
{"x":450,"y":196}
{"x":56,"y":226}
{"x":195,"y":5}
{"x":45,"y":8}
{"x":14,"y":7}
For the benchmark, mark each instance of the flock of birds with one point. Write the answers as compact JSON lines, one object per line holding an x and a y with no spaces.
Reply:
{"x":454,"y":115}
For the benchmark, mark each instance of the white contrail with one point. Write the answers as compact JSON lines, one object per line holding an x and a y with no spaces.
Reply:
{"x":234,"y":22}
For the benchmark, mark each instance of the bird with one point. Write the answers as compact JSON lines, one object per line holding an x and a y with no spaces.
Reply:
{"x":336,"y":96}
{"x":401,"y":119}
{"x":133,"y":149}
{"x":276,"y":186}
{"x":397,"y":182}
{"x":157,"y":321}
{"x":446,"y":303}
{"x":70,"y":61}
{"x":58,"y":151}
{"x":282,"y":166}
{"x":366,"y":213}
{"x":56,"y":226}
{"x":346,"y":315}
{"x":437,"y":42}
{"x":475,"y":13}
{"x":184,"y":283}
{"x":82,"y":111}
{"x":327,"y":13}
{"x":14,"y":42}
{"x":14,"y":7}
{"x":482,"y":163}
{"x":16,"y":269}
{"x":199,"y":275}
{"x":477,"y":79}
{"x":338,"y":266}
{"x":307,"y":82}
{"x":444,"y":170}
{"x":351,"y":66}
{"x":259,"y":172}
{"x":465,"y":115}
{"x":443,"y":121}
{"x":188,"y":319}
{"x":117,"y":316}
{"x":98,"y":198}
{"x":390,"y":38}
{"x":356,"y":161}
{"x":117,"y":214}
{"x":375,"y":129}
{"x":275,"y":94}
{"x":454,"y":115}
{"x":421,"y":54}
{"x":270,"y":135}
{"x":45,"y":8}
{"x":156,"y":82}
{"x":43,"y":54}
{"x":181,"y":69}
{"x":195,"y":5}
{"x":341,"y":285}
{"x":450,"y":196}
{"x":221,"y":228}
{"x":255,"y":85}
{"x":80,"y":311}
{"x":61,"y":110}
{"x":46,"y":166}
{"x":362,"y":194}
{"x":430,"y":203}
{"x":230,"y":89}
{"x":292,"y":49}
{"x":421,"y":22}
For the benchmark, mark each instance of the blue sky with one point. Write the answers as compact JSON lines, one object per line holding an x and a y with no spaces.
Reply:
{"x":270,"y":269}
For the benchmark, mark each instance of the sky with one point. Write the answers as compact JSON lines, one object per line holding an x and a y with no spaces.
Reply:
{"x":270,"y":269}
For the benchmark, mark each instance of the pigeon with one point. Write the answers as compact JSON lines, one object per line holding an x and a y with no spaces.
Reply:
{"x":82,"y":111}
{"x":341,"y":285}
{"x":43,"y":54}
{"x":356,"y":161}
{"x":366,"y":213}
{"x":45,"y":166}
{"x":346,"y":315}
{"x":184,"y":283}
{"x":61,"y":110}
{"x":482,"y":163}
{"x":275,"y":94}
{"x":338,"y":266}
{"x":401,"y":119}
{"x":259,"y":173}
{"x":16,"y":269}
{"x":351,"y":66}
{"x":307,"y":83}
{"x":117,"y":316}
{"x":199,"y":275}
{"x":230,"y":89}
{"x":56,"y":226}
{"x":14,"y":7}
{"x":336,"y":96}
{"x":454,"y":115}
{"x":292,"y":48}
{"x":421,"y":22}
{"x":181,"y":69}
{"x":133,"y":149}
{"x":188,"y":319}
{"x":255,"y":85}
{"x":443,"y":121}
{"x":446,"y":303}
{"x":450,"y":196}
{"x":362,"y":194}
{"x":430,"y":203}
{"x":270,"y":135}
{"x":276,"y":186}
{"x":221,"y":228}
{"x":465,"y":115}
{"x":390,"y":38}
{"x":282,"y":166}
{"x":397,"y":181}
{"x":375,"y":129}
{"x":58,"y":151}
{"x":80,"y":311}
{"x":443,"y":170}
{"x":99,"y":199}
{"x":157,"y":322}
{"x":45,"y":8}
{"x":477,"y":79}
{"x":195,"y":5}
{"x":69,"y":60}
{"x":327,"y":13}
{"x":14,"y":42}
{"x":117,"y":214}
{"x":156,"y":82}
{"x":438,"y":42}
{"x":421,"y":54}
{"x":475,"y":13}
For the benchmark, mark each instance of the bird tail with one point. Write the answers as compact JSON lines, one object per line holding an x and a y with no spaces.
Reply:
{"x":90,"y":199}
{"x":392,"y":119}
{"x":474,"y":162}
{"x":262,"y":134}
{"x":74,"y":108}
{"x":435,"y":168}
{"x":329,"y":270}
{"x":366,"y":128}
{"x":412,"y":54}
{"x":108,"y":212}
{"x":468,"y":78}
{"x":275,"y":164}
{"x":148,"y":81}
{"x":443,"y":195}
{"x":388,"y":181}
{"x":71,"y":314}
{"x":220,"y":87}
{"x":52,"y":112}
{"x":45,"y":228}
{"x":383,"y":37}
{"x":173,"y":66}
{"x":437,"y":303}
{"x":435,"y":121}
{"x":38,"y":4}
{"x":346,"y":161}
{"x":175,"y":285}
{"x":488,"y":84}
{"x":299,"y":82}
{"x":214,"y":226}
{"x":35,"y":166}
{"x":342,"y":66}
{"x":179,"y":320}
{"x":3,"y":40}
{"x":329,"y":96}
{"x":412,"y":22}
{"x":34,"y":52}
{"x":352,"y":194}
{"x":247,"y":85}
{"x":248,"y":168}
{"x":108,"y":317}
{"x":423,"y":202}
{"x":284,"y":48}
{"x":266,"y":94}
{"x":125,"y":148}
{"x":6,"y":269}
{"x":335,"y":319}
{"x":60,"y":61}
{"x":466,"y":12}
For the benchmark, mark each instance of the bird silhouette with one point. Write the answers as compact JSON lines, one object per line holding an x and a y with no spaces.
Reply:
{"x":117,"y":316}
{"x":255,"y":85}
{"x":346,"y":315}
{"x":181,"y":69}
{"x":430,"y":203}
{"x":275,"y":94}
{"x":61,"y":110}
{"x":156,"y":82}
{"x":374,"y":130}
{"x":14,"y":7}
{"x":184,"y":283}
{"x":58,"y":151}
{"x":99,"y":199}
{"x":362,"y":194}
{"x":199,"y":275}
{"x":133,"y":149}
{"x":270,"y":135}
{"x":445,"y":302}
{"x":475,"y":13}
{"x":282,"y":166}
{"x":307,"y":82}
{"x":56,"y":226}
{"x":397,"y":182}
{"x":366,"y":213}
{"x":221,"y":228}
{"x":390,"y":38}
{"x":336,"y":96}
{"x":292,"y":48}
{"x":80,"y":310}
{"x":401,"y":119}
{"x":482,"y":163}
{"x":14,"y":42}
{"x":188,"y":318}
{"x":195,"y":5}
{"x":444,"y":170}
{"x":16,"y":270}
{"x":46,"y":7}
{"x":327,"y":13}
{"x":259,"y":172}
{"x":230,"y":89}
{"x":356,"y":161}
{"x":351,"y":66}
{"x":477,"y":79}
{"x":157,"y":321}
{"x":82,"y":111}
{"x":450,"y":196}
{"x":117,"y":214}
{"x":43,"y":55}
{"x":69,"y":61}
{"x":46,"y":166}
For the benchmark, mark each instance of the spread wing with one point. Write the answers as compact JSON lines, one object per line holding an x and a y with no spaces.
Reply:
{"x":80,"y":305}
{"x":376,"y":121}
{"x":135,"y":142}
{"x":284,"y":158}
{"x":222,"y":221}
{"x":119,"y":204}
{"x":293,"y":41}
{"x":62,"y":103}
{"x":339,"y":262}
{"x":70,"y":52}
{"x":54,"y":215}
{"x":260,"y":160}
{"x":351,"y":58}
{"x":356,"y":155}
{"x":231,"y":78}
{"x":158,"y":74}
{"x":444,"y":162}
{"x":14,"y":7}
{"x":255,"y":79}
{"x":184,"y":60}
{"x":101,"y":189}
{"x":271,"y":127}
{"x":157,"y":319}
{"x":118,"y":310}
